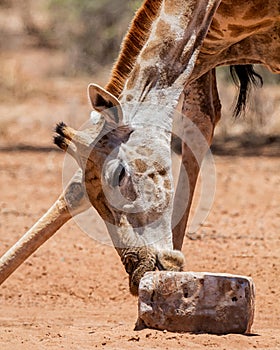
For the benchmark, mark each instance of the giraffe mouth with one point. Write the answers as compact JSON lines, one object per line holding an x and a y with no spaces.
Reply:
{"x":146,"y":259}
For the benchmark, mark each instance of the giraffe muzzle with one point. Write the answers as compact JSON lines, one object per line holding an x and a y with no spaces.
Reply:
{"x":145,"y":259}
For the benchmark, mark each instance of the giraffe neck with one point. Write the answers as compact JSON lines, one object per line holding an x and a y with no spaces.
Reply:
{"x":168,"y":56}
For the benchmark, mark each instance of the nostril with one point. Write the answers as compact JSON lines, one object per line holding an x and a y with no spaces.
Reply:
{"x":121,"y":176}
{"x":130,"y":262}
{"x":118,"y":176}
{"x":129,"y":267}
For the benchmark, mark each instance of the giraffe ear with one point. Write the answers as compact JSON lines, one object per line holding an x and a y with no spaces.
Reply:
{"x":105,"y":103}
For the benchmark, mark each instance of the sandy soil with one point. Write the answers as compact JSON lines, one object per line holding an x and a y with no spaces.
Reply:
{"x":73,"y":292}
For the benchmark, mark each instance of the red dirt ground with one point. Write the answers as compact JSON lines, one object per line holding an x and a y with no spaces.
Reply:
{"x":73,"y":292}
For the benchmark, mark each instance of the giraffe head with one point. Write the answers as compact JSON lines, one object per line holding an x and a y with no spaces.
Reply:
{"x":128,"y":179}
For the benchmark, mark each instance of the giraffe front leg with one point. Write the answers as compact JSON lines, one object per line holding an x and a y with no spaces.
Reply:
{"x":183,"y":196}
{"x":72,"y":202}
{"x":201,"y":111}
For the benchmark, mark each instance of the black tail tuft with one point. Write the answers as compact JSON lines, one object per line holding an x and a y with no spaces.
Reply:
{"x":244,"y":76}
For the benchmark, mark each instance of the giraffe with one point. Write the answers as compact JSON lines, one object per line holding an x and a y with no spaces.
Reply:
{"x":234,"y":35}
{"x":119,"y":155}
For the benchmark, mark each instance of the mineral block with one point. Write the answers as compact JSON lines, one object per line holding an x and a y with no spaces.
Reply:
{"x":196,"y":302}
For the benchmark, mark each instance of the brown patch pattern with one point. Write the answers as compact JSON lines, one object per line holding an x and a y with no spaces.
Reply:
{"x":152,"y":50}
{"x":163,"y":29}
{"x":167,"y":184}
{"x":167,"y":49}
{"x":239,"y":30}
{"x":140,"y":165}
{"x":257,"y":9}
{"x":144,"y":151}
{"x":173,"y":7}
{"x":215,"y":28}
{"x":160,"y":169}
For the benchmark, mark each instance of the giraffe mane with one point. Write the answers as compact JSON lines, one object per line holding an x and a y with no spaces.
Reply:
{"x":132,"y":44}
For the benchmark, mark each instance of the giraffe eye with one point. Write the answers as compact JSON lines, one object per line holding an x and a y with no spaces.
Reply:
{"x":119,"y":175}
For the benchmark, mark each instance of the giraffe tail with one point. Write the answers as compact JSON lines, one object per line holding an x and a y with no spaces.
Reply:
{"x":244,"y":76}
